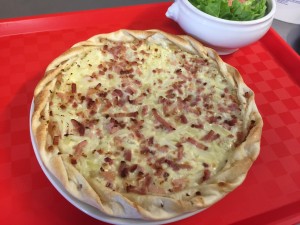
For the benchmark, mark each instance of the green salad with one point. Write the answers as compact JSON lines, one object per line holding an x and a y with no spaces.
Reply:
{"x":238,"y":10}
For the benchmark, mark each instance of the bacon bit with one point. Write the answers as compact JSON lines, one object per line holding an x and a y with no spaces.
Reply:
{"x":62,"y":96}
{"x":158,"y":70}
{"x":93,"y":112}
{"x":90,"y":103}
{"x":185,"y":166}
{"x":179,"y":151}
{"x":108,"y":175}
{"x":130,"y":90}
{"x":210,"y":136}
{"x":205,"y":164}
{"x":199,"y":126}
{"x":102,"y":94}
{"x":91,"y":91}
{"x":233,"y":107}
{"x":161,"y":100}
{"x":80,"y":114}
{"x":183,"y":77}
{"x":150,"y":141}
{"x":137,"y":100}
{"x":73,"y":161}
{"x":140,"y":172}
{"x":144,"y":52}
{"x":198,"y":193}
{"x":117,"y":92}
{"x":71,"y":98}
{"x":116,"y":51}
{"x":168,"y":107}
{"x":100,"y":151}
{"x":78,"y":127}
{"x":247,"y":95}
{"x":159,"y":171}
{"x":166,"y":175}
{"x":200,"y":61}
{"x":134,"y":48}
{"x":55,"y":140}
{"x":109,"y":185}
{"x":82,"y":98}
{"x":137,"y":82}
{"x":118,"y":142}
{"x":105,"y":47}
{"x":50,"y":148}
{"x":123,"y":169}
{"x":178,"y":71}
{"x":145,"y":110}
{"x":221,"y":109}
{"x":162,"y":121}
{"x":231,"y":122}
{"x":162,"y":148}
{"x":171,"y":163}
{"x":118,"y":101}
{"x":79,"y":148}
{"x":145,"y":150}
{"x":129,"y":114}
{"x":133,"y":167}
{"x":240,"y":138}
{"x":188,"y":99}
{"x":63,"y":107}
{"x":108,"y":160}
{"x":170,"y":93}
{"x":113,"y":127}
{"x":73,"y":88}
{"x":183,"y":119}
{"x":147,"y":180}
{"x":180,"y":105}
{"x":178,"y":85}
{"x":179,"y":184}
{"x":195,"y":101}
{"x":126,"y":71}
{"x":196,"y":143}
{"x":191,"y":68}
{"x":138,"y":134}
{"x":212,"y":119}
{"x":94,"y":75}
{"x":107,"y":106}
{"x":206,"y":175}
{"x":127,"y":155}
{"x":91,"y":123}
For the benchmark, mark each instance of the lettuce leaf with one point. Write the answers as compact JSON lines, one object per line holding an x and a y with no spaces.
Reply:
{"x":239,"y":10}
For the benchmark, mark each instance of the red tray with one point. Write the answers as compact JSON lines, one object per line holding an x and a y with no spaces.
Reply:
{"x":271,"y":191}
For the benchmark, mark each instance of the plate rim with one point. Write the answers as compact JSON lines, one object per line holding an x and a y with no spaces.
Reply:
{"x":88,"y":209}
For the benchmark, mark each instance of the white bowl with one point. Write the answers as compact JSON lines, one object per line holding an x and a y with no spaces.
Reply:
{"x":225,"y":36}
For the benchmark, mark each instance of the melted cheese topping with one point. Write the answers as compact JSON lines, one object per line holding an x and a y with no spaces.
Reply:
{"x":144,"y":118}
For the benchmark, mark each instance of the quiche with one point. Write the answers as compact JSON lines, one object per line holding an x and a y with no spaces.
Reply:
{"x":145,"y":124}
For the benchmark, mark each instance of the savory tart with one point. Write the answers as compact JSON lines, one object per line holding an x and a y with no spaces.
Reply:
{"x":145,"y":124}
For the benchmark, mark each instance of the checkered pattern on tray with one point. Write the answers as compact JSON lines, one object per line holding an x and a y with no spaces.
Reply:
{"x":27,"y":196}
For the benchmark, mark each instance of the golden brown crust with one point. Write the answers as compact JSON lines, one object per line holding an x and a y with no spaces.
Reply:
{"x":132,"y":205}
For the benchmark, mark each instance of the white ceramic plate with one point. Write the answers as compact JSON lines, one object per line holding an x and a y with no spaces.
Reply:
{"x":90,"y":210}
